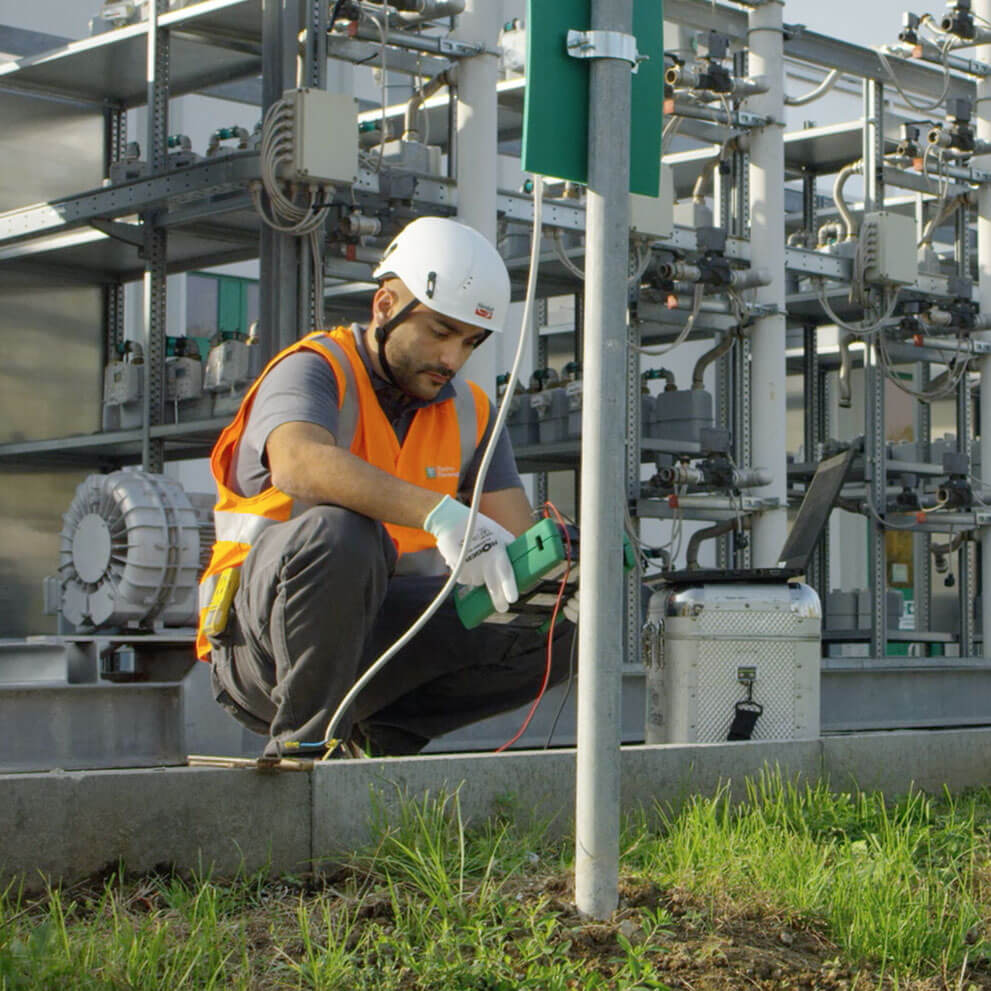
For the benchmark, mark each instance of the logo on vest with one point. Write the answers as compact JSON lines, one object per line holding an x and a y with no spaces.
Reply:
{"x":442,"y":471}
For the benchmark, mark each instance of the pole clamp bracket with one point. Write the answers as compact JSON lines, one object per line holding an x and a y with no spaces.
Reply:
{"x":605,"y":44}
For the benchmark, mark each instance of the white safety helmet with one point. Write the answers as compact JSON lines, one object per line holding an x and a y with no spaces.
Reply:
{"x":451,"y":268}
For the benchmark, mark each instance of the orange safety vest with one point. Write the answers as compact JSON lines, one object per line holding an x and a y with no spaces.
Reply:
{"x":435,"y":454}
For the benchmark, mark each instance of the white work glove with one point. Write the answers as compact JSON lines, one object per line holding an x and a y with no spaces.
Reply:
{"x":570,"y":609}
{"x":486,"y":561}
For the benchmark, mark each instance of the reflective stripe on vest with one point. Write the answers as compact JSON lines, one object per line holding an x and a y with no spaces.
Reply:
{"x":364,"y":430}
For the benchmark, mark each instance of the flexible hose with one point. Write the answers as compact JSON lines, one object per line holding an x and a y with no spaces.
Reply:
{"x":821,"y":90}
{"x":698,"y":374}
{"x":710,"y":533}
{"x":841,"y":205}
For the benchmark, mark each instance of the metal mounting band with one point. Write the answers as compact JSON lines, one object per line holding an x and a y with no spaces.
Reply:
{"x":605,"y":44}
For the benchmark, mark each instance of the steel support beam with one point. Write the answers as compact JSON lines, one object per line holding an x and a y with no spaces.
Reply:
{"x":982,"y":112}
{"x":280,"y":318}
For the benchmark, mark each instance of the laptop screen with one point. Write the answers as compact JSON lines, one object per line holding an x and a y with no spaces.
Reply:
{"x":814,"y":512}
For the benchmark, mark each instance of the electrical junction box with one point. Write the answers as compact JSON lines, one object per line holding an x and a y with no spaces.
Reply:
{"x":653,"y":216}
{"x":325,"y":136}
{"x":122,"y":382}
{"x":713,"y":645}
{"x":888,"y":243}
{"x":414,"y":156}
{"x":227,"y":366}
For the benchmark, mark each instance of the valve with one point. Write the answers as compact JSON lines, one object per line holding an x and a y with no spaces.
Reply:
{"x":908,"y":144}
{"x":955,"y":492}
{"x":708,"y":73}
{"x":960,"y":315}
{"x":959,"y":20}
{"x":910,"y":28}
{"x":956,"y":133}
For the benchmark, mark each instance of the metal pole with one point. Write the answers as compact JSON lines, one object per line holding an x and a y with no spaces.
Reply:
{"x":982,"y":9}
{"x":875,"y":430}
{"x":600,"y":637}
{"x":155,"y":242}
{"x":477,"y":142}
{"x":279,"y":253}
{"x":767,"y":242}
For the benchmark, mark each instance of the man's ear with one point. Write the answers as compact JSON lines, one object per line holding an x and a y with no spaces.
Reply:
{"x":383,"y":304}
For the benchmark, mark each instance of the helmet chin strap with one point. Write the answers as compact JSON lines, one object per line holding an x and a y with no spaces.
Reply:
{"x":382,"y":334}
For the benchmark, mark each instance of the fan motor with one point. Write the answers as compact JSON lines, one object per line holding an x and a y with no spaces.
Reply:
{"x":133,"y":545}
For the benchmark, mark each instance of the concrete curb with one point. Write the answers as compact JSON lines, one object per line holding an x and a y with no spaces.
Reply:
{"x":67,"y":826}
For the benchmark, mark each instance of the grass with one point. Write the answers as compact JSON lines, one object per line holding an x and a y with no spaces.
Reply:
{"x":794,"y":884}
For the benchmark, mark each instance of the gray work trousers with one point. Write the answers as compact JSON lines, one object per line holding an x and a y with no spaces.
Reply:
{"x":318,"y":603}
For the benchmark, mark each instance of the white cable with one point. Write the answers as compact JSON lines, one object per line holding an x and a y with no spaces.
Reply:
{"x":380,"y":23}
{"x":674,"y":122}
{"x":683,"y":334}
{"x":483,"y":468}
{"x":642,"y":261}
{"x":860,"y":331}
{"x":883,"y":58}
{"x":955,"y":365}
{"x":563,"y":256}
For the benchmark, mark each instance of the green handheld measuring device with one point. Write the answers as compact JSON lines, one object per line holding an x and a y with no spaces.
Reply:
{"x":539,"y":558}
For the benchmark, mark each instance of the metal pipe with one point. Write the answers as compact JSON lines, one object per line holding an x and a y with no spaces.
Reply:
{"x":723,"y":347}
{"x":477,"y":157}
{"x":689,"y":77}
{"x":939,"y":137}
{"x":428,"y":10}
{"x":603,"y":485}
{"x":683,"y":301}
{"x":982,"y":111}
{"x":410,"y":133}
{"x":698,"y":190}
{"x":843,"y":376}
{"x":749,"y":278}
{"x":841,"y":206}
{"x":767,"y":242}
{"x":833,"y":227}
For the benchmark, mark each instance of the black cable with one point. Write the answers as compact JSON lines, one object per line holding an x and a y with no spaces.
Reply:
{"x":567,"y":691}
{"x":334,"y":14}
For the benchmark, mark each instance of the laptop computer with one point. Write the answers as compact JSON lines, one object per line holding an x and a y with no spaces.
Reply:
{"x":820,"y":498}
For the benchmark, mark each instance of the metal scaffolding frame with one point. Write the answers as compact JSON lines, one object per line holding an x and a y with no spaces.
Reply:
{"x":193,"y":48}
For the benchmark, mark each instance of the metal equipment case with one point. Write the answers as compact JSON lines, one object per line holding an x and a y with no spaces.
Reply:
{"x":707,"y":641}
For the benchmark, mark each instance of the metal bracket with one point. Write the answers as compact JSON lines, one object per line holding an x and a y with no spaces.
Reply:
{"x":464,"y":49}
{"x":971,"y":66}
{"x":763,"y":309}
{"x":605,"y":44}
{"x":128,"y":233}
{"x":746,"y":119}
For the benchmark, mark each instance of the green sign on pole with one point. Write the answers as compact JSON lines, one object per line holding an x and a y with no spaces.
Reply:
{"x":555,"y":115}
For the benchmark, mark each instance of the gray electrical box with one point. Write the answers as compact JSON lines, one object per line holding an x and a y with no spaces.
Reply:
{"x":888,"y":243}
{"x":653,"y":216}
{"x":325,"y":136}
